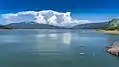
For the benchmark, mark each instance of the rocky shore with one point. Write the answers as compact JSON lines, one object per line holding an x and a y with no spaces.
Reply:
{"x":113,"y":49}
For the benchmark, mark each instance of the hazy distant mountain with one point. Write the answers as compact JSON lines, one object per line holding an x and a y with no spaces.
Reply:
{"x":4,"y":27}
{"x":91,"y":25}
{"x":31,"y":25}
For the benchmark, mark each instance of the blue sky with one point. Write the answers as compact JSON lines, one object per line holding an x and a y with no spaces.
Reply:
{"x":97,"y":10}
{"x":59,"y":5}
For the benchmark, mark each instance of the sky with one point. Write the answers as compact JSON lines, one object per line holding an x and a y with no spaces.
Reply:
{"x":93,"y":10}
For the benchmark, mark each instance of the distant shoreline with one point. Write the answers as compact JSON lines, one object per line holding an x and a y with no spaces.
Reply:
{"x":109,"y":31}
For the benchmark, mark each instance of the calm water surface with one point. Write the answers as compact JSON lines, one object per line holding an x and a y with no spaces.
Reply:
{"x":56,"y":48}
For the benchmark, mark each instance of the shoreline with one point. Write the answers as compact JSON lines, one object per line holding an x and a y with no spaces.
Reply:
{"x":109,"y":31}
{"x":113,"y":49}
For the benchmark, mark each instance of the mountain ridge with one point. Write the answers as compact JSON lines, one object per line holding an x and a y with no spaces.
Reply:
{"x":92,"y":25}
{"x":4,"y":27}
{"x":33,"y":25}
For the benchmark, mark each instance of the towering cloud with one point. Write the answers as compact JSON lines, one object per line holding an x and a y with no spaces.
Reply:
{"x":42,"y":17}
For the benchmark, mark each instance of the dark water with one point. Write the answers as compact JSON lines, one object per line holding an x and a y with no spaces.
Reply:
{"x":56,"y":48}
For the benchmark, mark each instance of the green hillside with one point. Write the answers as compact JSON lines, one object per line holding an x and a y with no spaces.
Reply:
{"x":113,"y":24}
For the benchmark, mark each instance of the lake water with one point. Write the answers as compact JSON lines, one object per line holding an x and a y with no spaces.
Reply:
{"x":56,"y":48}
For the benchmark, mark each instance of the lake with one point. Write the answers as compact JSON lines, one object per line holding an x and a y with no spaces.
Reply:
{"x":56,"y":48}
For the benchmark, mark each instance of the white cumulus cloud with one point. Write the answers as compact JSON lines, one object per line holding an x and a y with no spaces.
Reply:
{"x":42,"y":17}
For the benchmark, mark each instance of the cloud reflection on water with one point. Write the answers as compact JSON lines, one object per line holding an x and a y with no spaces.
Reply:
{"x":62,"y":37}
{"x":66,"y":38}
